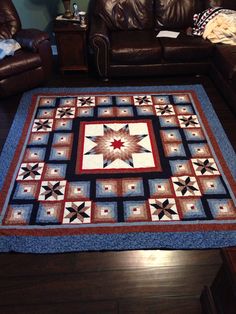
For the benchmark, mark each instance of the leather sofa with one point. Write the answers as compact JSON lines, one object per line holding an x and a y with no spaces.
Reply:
{"x":29,"y":66}
{"x":123,"y":41}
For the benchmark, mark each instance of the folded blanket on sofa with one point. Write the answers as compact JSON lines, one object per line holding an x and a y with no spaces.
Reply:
{"x":8,"y":47}
{"x":222,"y":28}
{"x":201,"y":19}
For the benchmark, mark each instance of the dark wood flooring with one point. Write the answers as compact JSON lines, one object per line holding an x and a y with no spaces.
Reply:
{"x":152,"y":281}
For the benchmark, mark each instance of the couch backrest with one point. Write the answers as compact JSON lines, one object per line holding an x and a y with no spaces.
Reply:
{"x":125,"y":14}
{"x":9,"y":19}
{"x":146,"y":14}
{"x":176,"y":14}
{"x":227,"y":4}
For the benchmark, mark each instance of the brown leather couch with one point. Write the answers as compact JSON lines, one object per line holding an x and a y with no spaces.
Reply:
{"x":32,"y":64}
{"x":123,"y":41}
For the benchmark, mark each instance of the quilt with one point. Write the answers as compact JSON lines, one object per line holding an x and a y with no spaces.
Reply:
{"x":114,"y":169}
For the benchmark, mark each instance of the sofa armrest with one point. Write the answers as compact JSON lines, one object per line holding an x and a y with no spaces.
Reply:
{"x":98,"y":28}
{"x":31,"y":38}
{"x":100,"y":43}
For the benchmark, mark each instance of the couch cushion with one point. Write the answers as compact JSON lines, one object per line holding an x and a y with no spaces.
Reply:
{"x":128,"y":14}
{"x":135,"y":47}
{"x":22,"y":61}
{"x":225,"y":61}
{"x":186,"y":48}
{"x":175,"y":14}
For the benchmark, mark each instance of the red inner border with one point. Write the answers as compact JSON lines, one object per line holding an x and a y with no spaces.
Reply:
{"x":155,"y":153}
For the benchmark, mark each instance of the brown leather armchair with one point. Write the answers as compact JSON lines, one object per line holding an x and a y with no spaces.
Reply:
{"x":29,"y":66}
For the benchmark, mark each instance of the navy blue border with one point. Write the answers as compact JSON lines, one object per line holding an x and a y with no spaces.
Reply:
{"x":127,"y":241}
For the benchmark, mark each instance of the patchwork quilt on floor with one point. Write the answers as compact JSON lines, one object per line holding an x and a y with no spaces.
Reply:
{"x":118,"y":162}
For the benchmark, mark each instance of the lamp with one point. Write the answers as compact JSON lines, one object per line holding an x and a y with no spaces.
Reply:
{"x":67,"y":14}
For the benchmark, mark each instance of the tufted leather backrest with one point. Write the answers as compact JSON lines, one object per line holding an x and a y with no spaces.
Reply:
{"x":176,"y":14}
{"x":9,"y":19}
{"x":126,"y":14}
{"x":226,"y":4}
{"x":146,"y":14}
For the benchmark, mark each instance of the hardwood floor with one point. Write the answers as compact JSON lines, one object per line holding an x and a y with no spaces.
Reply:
{"x":106,"y":282}
{"x":151,"y":281}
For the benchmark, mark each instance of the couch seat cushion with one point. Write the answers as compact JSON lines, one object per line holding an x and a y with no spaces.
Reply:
{"x":225,"y":61}
{"x":22,"y":61}
{"x":186,"y":48}
{"x":135,"y":47}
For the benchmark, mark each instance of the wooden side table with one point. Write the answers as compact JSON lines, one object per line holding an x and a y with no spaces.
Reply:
{"x":71,"y":45}
{"x":221,"y":296}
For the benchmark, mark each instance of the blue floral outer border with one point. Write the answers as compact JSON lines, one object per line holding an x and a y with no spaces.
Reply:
{"x":118,"y":242}
{"x":124,"y":241}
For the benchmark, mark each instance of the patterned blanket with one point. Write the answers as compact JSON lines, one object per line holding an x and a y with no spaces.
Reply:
{"x":201,"y":19}
{"x":8,"y":47}
{"x":222,"y":28}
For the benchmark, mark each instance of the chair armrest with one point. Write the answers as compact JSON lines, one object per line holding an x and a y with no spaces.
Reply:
{"x":4,"y":32}
{"x":31,"y":38}
{"x":100,"y":44}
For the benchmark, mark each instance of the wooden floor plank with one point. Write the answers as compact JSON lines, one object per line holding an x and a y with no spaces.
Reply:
{"x":123,"y":306}
{"x":148,"y":282}
{"x":100,"y":307}
{"x":31,"y":264}
{"x":160,"y":305}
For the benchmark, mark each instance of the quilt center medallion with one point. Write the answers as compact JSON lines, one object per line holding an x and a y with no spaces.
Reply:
{"x":114,"y":146}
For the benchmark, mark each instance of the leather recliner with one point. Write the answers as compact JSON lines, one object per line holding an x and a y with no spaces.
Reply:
{"x":29,"y":66}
